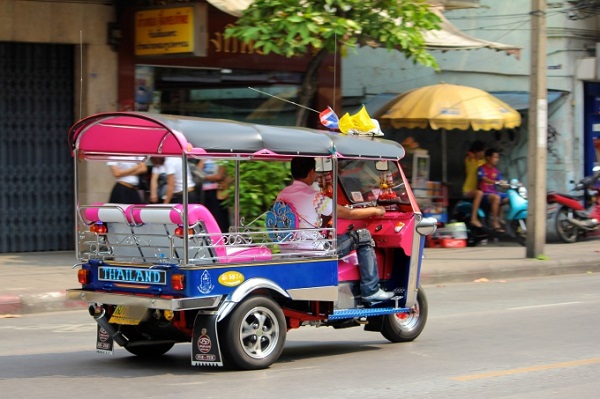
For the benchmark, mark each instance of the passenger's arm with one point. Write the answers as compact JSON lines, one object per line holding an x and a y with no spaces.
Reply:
{"x":217,"y":176}
{"x":359,"y":213}
{"x":170,"y":189}
{"x":154,"y":188}
{"x":134,"y":170}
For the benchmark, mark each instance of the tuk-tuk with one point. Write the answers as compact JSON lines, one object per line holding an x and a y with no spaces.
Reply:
{"x":159,"y":274}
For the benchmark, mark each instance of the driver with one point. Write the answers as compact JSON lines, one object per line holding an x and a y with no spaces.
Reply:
{"x":310,"y":205}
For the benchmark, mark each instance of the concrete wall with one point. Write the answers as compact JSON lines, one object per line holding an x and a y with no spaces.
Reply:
{"x":83,"y":24}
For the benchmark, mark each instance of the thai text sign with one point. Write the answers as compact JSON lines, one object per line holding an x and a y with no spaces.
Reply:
{"x":165,"y":31}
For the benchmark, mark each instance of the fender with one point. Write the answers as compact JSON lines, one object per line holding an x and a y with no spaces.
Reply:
{"x":567,"y":201}
{"x":243,"y":290}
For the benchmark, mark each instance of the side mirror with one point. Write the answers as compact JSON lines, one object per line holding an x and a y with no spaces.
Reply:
{"x":427,"y":226}
{"x":324,"y":165}
{"x":382,"y":166}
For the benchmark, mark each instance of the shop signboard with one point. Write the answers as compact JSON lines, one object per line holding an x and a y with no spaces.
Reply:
{"x":166,"y":31}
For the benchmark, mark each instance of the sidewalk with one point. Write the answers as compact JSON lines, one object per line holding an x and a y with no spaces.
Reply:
{"x":35,"y":282}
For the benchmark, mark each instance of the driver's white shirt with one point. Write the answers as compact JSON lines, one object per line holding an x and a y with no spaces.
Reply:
{"x":308,"y":204}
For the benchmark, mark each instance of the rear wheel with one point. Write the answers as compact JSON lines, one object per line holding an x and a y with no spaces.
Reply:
{"x":566,"y":231}
{"x":405,"y":327}
{"x":254,"y":334}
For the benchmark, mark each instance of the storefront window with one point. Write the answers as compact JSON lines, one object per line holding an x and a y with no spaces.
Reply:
{"x":242,"y":95}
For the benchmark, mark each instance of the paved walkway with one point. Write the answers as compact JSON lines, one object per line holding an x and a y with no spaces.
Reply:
{"x":35,"y":282}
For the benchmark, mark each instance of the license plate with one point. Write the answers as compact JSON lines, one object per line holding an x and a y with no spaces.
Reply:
{"x":132,"y":275}
{"x":127,"y":315}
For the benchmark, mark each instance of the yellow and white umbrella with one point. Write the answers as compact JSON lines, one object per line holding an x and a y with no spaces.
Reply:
{"x":447,"y":107}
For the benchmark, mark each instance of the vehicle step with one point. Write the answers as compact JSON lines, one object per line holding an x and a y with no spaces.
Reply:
{"x":364,"y":312}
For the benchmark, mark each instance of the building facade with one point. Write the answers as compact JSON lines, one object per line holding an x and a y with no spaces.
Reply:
{"x":55,"y":66}
{"x":62,"y":60}
{"x":572,"y":81}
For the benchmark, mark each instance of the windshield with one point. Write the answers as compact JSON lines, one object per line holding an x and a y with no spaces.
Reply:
{"x":361,"y":181}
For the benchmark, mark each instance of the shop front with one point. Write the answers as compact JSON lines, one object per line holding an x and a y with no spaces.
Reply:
{"x":175,"y":59}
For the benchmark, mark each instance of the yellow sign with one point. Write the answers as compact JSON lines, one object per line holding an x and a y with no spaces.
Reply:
{"x":127,"y":315}
{"x":167,"y":31}
{"x":231,"y":278}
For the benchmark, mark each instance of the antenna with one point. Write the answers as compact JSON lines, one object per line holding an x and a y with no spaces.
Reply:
{"x":80,"y":74}
{"x":334,"y":66}
{"x":283,"y":99}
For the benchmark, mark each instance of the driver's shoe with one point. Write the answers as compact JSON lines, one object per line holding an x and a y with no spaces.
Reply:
{"x":378,"y":296}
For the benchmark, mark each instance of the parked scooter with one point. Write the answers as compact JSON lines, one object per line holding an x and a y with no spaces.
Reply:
{"x":515,"y":216}
{"x":576,"y":216}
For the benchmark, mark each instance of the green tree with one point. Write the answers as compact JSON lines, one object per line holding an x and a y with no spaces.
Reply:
{"x":299,"y":27}
{"x":260,"y":182}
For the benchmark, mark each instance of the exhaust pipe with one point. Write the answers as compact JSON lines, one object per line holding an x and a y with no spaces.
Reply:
{"x":589,"y":224}
{"x":99,"y":314}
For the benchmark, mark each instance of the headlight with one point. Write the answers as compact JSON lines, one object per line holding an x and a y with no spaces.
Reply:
{"x":522,"y":191}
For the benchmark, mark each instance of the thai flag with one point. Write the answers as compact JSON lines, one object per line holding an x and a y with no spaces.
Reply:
{"x":329,"y":119}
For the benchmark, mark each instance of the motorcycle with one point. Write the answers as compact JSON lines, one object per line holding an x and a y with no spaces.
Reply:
{"x":574,"y":217}
{"x":515,"y":216}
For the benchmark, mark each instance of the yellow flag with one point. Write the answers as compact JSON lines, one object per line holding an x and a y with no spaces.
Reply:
{"x":346,"y":124}
{"x":358,"y":123}
{"x":362,"y":121}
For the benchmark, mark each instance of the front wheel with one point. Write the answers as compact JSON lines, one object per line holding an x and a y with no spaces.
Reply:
{"x":254,"y":334}
{"x":406,"y":327}
{"x":566,"y":231}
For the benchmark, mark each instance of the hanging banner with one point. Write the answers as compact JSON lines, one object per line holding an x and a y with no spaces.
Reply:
{"x":162,"y":31}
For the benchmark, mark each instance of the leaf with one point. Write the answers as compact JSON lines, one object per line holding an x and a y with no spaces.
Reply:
{"x":296,"y":28}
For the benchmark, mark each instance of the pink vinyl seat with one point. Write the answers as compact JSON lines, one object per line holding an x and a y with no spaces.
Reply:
{"x":152,"y":228}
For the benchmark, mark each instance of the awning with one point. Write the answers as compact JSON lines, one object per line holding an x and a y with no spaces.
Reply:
{"x":449,"y":37}
{"x":231,"y":7}
{"x":518,"y":100}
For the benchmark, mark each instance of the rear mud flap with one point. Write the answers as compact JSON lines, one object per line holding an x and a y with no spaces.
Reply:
{"x":104,"y":342}
{"x":205,"y":341}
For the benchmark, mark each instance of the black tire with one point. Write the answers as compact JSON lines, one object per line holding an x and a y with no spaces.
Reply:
{"x":253,"y":335}
{"x":565,"y":230}
{"x":151,"y":350}
{"x":519,"y":233}
{"x":406,"y":327}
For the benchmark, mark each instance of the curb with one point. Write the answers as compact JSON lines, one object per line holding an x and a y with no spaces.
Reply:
{"x":54,"y":301}
{"x":536,"y":268}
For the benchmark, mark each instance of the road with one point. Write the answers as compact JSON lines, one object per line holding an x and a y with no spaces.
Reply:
{"x":526,"y":338}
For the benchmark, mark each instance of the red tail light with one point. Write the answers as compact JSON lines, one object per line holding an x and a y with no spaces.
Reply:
{"x":179,"y":231}
{"x":99,"y":227}
{"x":178,"y":282}
{"x":83,"y":276}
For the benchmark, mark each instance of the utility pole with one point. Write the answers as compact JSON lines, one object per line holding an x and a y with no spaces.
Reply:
{"x":537,"y":133}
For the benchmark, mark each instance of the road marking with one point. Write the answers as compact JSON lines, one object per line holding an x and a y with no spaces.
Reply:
{"x":523,"y":370}
{"x":187,"y":383}
{"x":544,"y":306}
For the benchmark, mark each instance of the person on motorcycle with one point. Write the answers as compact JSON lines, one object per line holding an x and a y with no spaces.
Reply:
{"x":310,"y":204}
{"x":489,"y":177}
{"x":473,"y":160}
